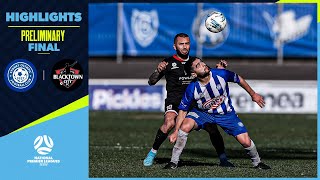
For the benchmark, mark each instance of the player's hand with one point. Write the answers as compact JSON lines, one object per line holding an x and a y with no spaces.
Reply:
{"x":222,"y":64}
{"x":162,"y":66}
{"x":258,"y":99}
{"x":173,"y":137}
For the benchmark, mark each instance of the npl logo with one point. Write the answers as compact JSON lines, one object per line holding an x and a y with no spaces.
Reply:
{"x":43,"y":144}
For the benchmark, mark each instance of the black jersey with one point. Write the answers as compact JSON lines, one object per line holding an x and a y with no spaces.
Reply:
{"x":176,"y":77}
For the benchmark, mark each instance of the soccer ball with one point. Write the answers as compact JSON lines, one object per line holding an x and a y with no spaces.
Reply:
{"x":215,"y":22}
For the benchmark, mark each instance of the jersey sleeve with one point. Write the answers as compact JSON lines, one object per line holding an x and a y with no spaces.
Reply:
{"x":188,"y":98}
{"x":232,"y":77}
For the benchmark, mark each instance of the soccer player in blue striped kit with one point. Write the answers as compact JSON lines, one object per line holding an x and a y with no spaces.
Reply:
{"x":211,"y":92}
{"x":177,"y":80}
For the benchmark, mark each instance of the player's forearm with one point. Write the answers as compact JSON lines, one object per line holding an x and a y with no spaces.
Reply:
{"x":154,"y":78}
{"x":246,"y":86}
{"x":182,"y":114}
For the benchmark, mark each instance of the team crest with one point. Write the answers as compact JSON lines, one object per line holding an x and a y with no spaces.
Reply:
{"x":219,"y":87}
{"x":67,"y":74}
{"x":144,"y":26}
{"x":20,"y":75}
{"x":205,"y":37}
{"x":281,"y":25}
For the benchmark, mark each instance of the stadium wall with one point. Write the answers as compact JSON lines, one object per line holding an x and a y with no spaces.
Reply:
{"x":281,"y":96}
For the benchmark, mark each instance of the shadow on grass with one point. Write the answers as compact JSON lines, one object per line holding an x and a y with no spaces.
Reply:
{"x":272,"y":154}
{"x":183,"y":162}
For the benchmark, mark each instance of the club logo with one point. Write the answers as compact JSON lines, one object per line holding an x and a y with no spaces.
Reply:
{"x":240,"y":124}
{"x":20,"y":75}
{"x":43,"y":140}
{"x":144,"y":26}
{"x":67,"y":74}
{"x":219,"y":86}
{"x":281,"y":26}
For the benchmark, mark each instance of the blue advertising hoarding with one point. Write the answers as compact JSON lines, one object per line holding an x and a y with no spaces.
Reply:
{"x":253,"y":30}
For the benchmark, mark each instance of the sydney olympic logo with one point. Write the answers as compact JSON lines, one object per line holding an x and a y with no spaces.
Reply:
{"x":20,"y":75}
{"x":43,"y":144}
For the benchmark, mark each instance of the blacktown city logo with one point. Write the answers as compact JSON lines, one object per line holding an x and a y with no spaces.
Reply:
{"x":67,"y":74}
{"x":20,"y":75}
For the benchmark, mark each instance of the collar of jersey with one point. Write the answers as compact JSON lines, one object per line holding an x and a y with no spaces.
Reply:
{"x":181,"y":60}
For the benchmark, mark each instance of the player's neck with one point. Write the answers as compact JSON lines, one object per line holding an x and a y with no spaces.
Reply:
{"x":205,"y":80}
{"x":183,"y":59}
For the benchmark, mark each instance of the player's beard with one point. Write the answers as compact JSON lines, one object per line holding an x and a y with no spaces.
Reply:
{"x":205,"y":74}
{"x":183,"y":56}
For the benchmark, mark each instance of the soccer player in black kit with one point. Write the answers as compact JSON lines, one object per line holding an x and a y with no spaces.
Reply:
{"x":177,"y":81}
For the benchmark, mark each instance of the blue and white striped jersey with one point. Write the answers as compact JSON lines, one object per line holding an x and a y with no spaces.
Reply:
{"x":207,"y":95}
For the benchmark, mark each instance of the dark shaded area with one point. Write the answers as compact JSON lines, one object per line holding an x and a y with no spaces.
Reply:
{"x":254,"y":68}
{"x":273,"y":154}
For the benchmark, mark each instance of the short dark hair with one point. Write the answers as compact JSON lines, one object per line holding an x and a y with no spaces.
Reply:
{"x":188,"y":66}
{"x":179,"y":35}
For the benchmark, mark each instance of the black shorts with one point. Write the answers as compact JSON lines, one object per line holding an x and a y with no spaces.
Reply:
{"x":171,"y":105}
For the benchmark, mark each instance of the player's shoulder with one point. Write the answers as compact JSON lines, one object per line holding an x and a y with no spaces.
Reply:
{"x":192,"y":57}
{"x":168,"y":59}
{"x":192,"y":84}
{"x":219,"y":71}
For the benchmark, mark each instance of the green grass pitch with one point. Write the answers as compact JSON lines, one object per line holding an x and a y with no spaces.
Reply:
{"x":119,"y":141}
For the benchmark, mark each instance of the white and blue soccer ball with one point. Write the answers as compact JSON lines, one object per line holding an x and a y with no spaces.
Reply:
{"x":215,"y":22}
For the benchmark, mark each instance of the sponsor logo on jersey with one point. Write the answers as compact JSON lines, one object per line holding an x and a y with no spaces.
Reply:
{"x":213,"y":103}
{"x":169,"y":107}
{"x":67,"y":74}
{"x":174,"y":66}
{"x":20,"y":75}
{"x":186,"y":78}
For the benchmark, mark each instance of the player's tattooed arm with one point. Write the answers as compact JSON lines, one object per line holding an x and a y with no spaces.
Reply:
{"x":158,"y":73}
{"x":154,"y":78}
